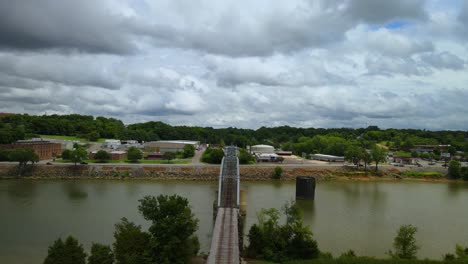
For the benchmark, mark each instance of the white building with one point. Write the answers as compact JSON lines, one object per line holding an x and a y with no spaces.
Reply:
{"x":111,"y":143}
{"x":262,"y":149}
{"x":325,"y":157}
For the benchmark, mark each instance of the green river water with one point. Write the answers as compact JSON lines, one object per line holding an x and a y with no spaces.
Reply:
{"x":362,"y":216}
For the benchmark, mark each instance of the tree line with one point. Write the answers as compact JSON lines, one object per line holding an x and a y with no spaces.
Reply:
{"x":309,"y":140}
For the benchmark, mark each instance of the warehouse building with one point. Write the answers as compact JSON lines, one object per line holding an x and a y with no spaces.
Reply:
{"x":44,"y":149}
{"x":262,"y":149}
{"x":163,"y":146}
{"x":329,"y":158}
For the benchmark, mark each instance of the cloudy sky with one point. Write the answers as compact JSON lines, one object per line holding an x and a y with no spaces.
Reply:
{"x":318,"y":63}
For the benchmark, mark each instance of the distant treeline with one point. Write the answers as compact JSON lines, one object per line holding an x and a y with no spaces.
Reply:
{"x":309,"y":140}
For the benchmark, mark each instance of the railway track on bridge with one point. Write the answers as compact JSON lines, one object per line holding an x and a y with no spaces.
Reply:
{"x":225,"y":243}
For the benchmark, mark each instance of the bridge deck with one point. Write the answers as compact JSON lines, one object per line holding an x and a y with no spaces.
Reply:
{"x":225,"y":243}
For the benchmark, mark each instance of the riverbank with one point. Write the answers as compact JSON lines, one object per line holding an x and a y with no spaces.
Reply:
{"x":211,"y":172}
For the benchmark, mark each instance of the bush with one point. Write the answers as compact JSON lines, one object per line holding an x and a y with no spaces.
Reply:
{"x":102,"y":156}
{"x":213,"y":156}
{"x":134,"y":154}
{"x":425,"y":174}
{"x":454,"y":169}
{"x":189,"y":151}
{"x":277,"y":173}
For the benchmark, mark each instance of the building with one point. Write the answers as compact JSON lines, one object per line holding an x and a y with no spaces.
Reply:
{"x":169,"y":145}
{"x":154,"y":156}
{"x":44,"y":149}
{"x":111,"y":144}
{"x":324,"y":157}
{"x":266,"y":157}
{"x":262,"y":149}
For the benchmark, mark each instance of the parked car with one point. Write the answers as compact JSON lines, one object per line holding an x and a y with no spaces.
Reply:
{"x":84,"y":163}
{"x":49,"y":163}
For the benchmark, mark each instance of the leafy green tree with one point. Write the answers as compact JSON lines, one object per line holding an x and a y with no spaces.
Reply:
{"x":78,"y":155}
{"x":404,"y":243}
{"x":101,"y":254}
{"x":245,"y":157}
{"x":454,"y":171}
{"x":68,"y":252}
{"x":131,"y":245}
{"x":277,"y":173}
{"x":169,"y":156}
{"x":92,"y":136}
{"x":213,"y":155}
{"x":354,"y":154}
{"x":4,"y":155}
{"x":66,"y":154}
{"x":172,"y":229}
{"x":461,"y":252}
{"x":271,"y":241}
{"x":102,"y":155}
{"x":134,"y":154}
{"x":189,"y":151}
{"x":23,"y":156}
{"x":378,"y":155}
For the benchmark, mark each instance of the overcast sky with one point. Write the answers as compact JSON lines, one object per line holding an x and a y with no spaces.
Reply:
{"x":329,"y":63}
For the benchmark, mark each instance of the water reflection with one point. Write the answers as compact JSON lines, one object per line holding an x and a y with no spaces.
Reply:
{"x":308,"y":209}
{"x":454,"y":188}
{"x":22,"y":191}
{"x":75,"y":191}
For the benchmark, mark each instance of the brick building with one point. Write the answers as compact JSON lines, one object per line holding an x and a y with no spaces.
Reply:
{"x":43,"y":149}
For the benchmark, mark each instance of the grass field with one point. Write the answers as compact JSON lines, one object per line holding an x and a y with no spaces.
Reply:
{"x":70,"y":138}
{"x":423,"y":174}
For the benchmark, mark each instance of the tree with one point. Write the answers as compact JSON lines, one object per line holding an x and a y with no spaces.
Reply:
{"x":131,"y":244}
{"x":172,"y":229}
{"x":404,"y":243}
{"x":23,"y":156}
{"x":378,"y":155}
{"x":213,"y":155}
{"x":78,"y":155}
{"x":464,"y":173}
{"x":454,"y":169}
{"x":245,"y":157}
{"x":70,"y":252}
{"x":134,"y":154}
{"x":189,"y":151}
{"x":272,"y":241}
{"x":354,"y":154}
{"x":102,"y":156}
{"x":92,"y":136}
{"x":66,"y":154}
{"x":277,"y":173}
{"x":169,"y":156}
{"x":100,"y":254}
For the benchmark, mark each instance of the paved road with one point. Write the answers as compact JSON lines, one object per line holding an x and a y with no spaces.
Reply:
{"x":197,"y":157}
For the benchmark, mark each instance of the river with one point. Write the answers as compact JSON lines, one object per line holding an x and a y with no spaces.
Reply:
{"x":362,"y":216}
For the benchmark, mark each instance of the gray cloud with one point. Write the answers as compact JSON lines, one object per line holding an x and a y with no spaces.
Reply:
{"x":84,"y":25}
{"x":382,"y":11}
{"x":444,"y":60}
{"x":237,"y":63}
{"x":72,"y":70}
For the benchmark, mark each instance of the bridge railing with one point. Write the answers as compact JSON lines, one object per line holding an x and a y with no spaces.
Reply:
{"x":220,"y":186}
